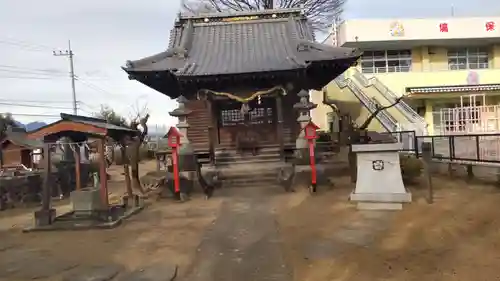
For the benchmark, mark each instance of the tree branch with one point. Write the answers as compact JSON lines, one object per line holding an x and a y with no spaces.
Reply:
{"x":378,"y":109}
{"x":321,"y":13}
{"x":330,"y":103}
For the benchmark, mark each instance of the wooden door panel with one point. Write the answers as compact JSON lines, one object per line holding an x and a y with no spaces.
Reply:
{"x":261,"y":119}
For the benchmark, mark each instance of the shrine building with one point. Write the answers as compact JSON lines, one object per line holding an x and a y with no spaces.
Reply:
{"x":242,"y":79}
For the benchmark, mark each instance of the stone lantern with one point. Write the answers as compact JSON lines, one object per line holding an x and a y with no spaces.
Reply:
{"x":304,"y":106}
{"x":186,"y":153}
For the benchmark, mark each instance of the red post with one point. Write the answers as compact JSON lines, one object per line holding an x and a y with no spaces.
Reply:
{"x":313,"y":163}
{"x":311,"y":135}
{"x":175,"y":163}
{"x":174,"y":142}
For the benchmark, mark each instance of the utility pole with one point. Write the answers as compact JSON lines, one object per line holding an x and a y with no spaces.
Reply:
{"x":69,"y":54}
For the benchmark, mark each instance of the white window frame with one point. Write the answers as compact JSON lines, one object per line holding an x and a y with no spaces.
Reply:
{"x":386,"y":61}
{"x":468,"y":58}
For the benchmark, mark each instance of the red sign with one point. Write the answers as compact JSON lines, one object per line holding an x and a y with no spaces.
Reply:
{"x":443,"y":27}
{"x":490,"y":26}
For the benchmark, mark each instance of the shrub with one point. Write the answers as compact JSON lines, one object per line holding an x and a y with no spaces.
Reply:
{"x":411,"y":167}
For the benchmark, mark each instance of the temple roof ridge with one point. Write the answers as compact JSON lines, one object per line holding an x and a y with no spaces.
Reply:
{"x":248,"y":13}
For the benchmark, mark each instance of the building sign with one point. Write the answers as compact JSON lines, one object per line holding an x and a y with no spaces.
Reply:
{"x":473,"y":78}
{"x":378,"y":165}
{"x":396,"y":29}
{"x":490,"y":26}
{"x":443,"y":27}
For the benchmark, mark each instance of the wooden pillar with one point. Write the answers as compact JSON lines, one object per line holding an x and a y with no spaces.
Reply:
{"x":211,"y":131}
{"x":46,"y":215}
{"x":157,"y":158}
{"x":102,"y":173}
{"x":76,"y":155}
{"x":46,"y":196}
{"x":126,"y":170}
{"x":279,"y":127}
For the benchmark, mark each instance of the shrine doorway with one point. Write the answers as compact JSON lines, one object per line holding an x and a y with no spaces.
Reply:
{"x":261,"y":119}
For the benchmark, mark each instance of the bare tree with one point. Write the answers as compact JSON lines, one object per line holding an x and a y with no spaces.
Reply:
{"x":322,"y":13}
{"x":359,"y":135}
{"x":135,"y":146}
{"x":129,"y":148}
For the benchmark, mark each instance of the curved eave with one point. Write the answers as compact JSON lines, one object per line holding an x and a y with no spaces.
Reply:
{"x":169,"y":83}
{"x":321,"y":73}
{"x":157,"y":80}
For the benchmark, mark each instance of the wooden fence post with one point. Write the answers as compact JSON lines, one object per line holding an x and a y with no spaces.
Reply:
{"x":427,"y":159}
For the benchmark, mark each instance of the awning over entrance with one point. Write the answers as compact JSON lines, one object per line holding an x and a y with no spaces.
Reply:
{"x":452,"y":89}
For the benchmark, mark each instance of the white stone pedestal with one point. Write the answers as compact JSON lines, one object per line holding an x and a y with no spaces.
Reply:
{"x":379,"y":184}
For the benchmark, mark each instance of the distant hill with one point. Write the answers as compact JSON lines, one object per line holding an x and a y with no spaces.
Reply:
{"x":31,"y":126}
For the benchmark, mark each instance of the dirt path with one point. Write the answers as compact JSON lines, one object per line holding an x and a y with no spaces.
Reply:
{"x":454,"y":239}
{"x":244,"y":242}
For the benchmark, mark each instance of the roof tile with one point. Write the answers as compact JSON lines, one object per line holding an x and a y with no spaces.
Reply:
{"x":202,"y":48}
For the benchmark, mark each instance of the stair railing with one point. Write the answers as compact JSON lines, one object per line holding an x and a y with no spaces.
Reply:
{"x":407,"y":111}
{"x":388,"y":123}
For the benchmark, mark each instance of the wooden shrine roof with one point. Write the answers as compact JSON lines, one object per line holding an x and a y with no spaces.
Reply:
{"x":20,"y":138}
{"x":79,"y":128}
{"x":241,"y":43}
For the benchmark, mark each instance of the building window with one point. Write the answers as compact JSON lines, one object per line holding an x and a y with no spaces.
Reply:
{"x":468,"y":58}
{"x":386,"y":61}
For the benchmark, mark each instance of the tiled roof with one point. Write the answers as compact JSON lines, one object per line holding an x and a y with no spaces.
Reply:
{"x":21,"y":139}
{"x":453,"y":89}
{"x":96,"y":122}
{"x":273,"y":40}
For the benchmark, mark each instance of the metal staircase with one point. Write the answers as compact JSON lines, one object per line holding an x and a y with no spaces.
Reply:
{"x":389,"y":123}
{"x":415,"y":122}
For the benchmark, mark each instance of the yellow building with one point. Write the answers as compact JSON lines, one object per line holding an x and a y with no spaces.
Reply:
{"x":448,"y":69}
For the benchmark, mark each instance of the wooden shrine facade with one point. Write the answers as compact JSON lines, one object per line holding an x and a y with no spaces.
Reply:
{"x":221,"y":122}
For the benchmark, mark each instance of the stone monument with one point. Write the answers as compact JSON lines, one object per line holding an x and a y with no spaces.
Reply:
{"x":379,"y":184}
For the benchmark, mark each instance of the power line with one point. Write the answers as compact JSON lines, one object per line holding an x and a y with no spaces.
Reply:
{"x":33,"y":69}
{"x":32,"y":72}
{"x":28,"y":77}
{"x":92,"y":108}
{"x":27,"y":43}
{"x":26,"y":46}
{"x":95,"y":87}
{"x":33,"y":101}
{"x":69,"y":53}
{"x":34,"y":106}
{"x":35,"y":115}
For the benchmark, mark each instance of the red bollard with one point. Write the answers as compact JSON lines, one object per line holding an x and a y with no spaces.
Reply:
{"x":175,"y":163}
{"x":310,"y":134}
{"x":174,"y":137}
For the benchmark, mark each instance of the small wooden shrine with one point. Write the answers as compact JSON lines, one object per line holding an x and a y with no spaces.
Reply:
{"x":17,"y":148}
{"x":240,"y":78}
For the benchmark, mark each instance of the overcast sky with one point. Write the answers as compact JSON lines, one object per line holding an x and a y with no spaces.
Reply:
{"x":106,"y":33}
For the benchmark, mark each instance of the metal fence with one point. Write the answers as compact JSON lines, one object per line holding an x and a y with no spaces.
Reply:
{"x":483,"y":148}
{"x":470,"y":147}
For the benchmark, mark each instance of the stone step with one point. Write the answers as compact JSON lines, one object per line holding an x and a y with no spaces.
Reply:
{"x":253,"y":177}
{"x":250,"y":170}
{"x":260,"y":161}
{"x":235,"y":152}
{"x":251,"y":184}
